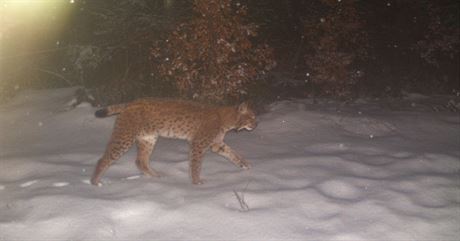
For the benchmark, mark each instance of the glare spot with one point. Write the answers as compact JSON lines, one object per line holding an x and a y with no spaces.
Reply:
{"x":29,"y":183}
{"x":60,"y":184}
{"x":133,"y":177}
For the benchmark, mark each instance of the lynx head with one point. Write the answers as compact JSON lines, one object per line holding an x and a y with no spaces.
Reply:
{"x":246,"y":117}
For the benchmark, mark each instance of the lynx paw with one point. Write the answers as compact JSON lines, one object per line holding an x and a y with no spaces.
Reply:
{"x":153,"y":174}
{"x":96,"y":183}
{"x":245,"y":165}
{"x":198,"y":182}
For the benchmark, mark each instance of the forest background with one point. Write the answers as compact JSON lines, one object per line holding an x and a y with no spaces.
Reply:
{"x":225,"y":51}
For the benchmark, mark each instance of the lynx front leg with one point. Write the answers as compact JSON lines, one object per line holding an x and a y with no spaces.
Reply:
{"x":226,"y":151}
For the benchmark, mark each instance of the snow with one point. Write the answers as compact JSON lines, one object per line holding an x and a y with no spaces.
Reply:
{"x":325,"y":171}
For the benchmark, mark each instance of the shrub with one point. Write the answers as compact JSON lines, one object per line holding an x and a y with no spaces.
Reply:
{"x":335,"y":43}
{"x":212,"y":56}
{"x":108,"y":47}
{"x":442,"y":38}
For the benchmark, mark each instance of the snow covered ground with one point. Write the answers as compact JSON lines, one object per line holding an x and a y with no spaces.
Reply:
{"x":364,"y":171}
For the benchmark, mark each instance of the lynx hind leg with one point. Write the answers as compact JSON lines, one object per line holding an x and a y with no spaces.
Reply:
{"x":145,"y":147}
{"x":197,"y":151}
{"x":115,"y":149}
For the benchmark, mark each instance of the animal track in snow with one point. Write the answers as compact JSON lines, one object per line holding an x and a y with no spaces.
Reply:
{"x":338,"y":189}
{"x":133,"y":177}
{"x":366,"y":126}
{"x":60,"y":184}
{"x":29,"y":183}
{"x":86,"y":181}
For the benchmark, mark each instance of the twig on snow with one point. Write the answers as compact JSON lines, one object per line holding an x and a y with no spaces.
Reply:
{"x":240,"y":197}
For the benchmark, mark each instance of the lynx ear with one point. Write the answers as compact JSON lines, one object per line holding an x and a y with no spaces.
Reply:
{"x":243,"y":107}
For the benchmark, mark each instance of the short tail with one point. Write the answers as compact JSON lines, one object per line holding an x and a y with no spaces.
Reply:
{"x":110,"y":110}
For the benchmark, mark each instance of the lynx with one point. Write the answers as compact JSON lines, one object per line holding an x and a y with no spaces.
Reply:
{"x":144,"y":120}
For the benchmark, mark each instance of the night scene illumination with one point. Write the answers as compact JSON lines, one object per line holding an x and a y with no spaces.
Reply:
{"x":229,"y":120}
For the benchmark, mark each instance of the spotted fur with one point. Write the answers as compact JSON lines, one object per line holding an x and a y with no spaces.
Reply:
{"x":203,"y":126}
